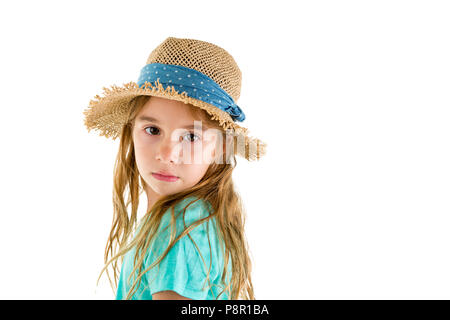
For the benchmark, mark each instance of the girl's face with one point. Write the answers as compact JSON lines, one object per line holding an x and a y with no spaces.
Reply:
{"x":166,"y":139}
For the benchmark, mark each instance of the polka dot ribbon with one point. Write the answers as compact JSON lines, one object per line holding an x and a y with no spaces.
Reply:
{"x":196,"y":85}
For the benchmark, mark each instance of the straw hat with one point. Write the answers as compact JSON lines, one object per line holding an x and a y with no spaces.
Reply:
{"x":188,"y":70}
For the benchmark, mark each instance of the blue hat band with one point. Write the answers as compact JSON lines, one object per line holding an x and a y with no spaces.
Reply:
{"x":196,"y":85}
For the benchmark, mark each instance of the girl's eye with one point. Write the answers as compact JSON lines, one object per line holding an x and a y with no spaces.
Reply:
{"x":153,"y":131}
{"x":191,"y":137}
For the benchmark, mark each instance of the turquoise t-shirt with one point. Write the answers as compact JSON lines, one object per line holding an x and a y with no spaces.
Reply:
{"x":183,"y":269}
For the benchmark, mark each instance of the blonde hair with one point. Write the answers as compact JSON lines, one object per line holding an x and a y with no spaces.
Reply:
{"x":216,"y":187}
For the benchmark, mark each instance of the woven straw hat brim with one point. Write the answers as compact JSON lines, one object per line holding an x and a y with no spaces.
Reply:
{"x":108,"y":114}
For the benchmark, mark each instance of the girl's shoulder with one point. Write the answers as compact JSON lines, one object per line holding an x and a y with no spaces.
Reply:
{"x":201,"y":235}
{"x":187,"y":212}
{"x":196,"y":208}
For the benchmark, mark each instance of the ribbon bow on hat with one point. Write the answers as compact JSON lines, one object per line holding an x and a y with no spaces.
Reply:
{"x":194,"y":83}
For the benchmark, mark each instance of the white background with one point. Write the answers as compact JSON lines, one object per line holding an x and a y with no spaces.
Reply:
{"x":352,"y":98}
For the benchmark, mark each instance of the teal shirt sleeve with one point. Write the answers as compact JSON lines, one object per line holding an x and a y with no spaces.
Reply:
{"x":183,"y":270}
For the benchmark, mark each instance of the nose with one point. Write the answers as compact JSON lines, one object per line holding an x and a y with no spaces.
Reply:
{"x":168,"y":150}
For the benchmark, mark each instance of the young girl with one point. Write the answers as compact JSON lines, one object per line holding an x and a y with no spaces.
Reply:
{"x":178,"y":142}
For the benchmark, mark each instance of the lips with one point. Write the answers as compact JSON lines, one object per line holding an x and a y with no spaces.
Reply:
{"x":163,"y":177}
{"x":167,"y":174}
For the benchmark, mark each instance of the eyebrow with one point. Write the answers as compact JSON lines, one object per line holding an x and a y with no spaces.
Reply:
{"x":151,"y":119}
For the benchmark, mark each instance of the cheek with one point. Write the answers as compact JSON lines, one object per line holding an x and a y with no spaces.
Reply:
{"x":192,"y":173}
{"x":198,"y":156}
{"x":142,"y":151}
{"x":209,"y":148}
{"x":142,"y":141}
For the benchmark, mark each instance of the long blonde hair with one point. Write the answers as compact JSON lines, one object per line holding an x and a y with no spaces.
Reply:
{"x":216,"y":187}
